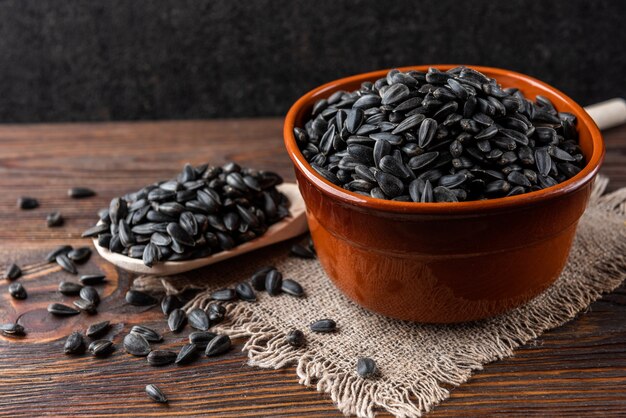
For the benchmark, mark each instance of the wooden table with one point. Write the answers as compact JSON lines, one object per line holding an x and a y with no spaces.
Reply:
{"x":579,"y":368}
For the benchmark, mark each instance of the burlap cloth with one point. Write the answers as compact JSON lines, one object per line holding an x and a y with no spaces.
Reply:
{"x":417,"y":362}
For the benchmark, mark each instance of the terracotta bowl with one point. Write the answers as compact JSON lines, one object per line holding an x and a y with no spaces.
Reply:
{"x":444,"y":262}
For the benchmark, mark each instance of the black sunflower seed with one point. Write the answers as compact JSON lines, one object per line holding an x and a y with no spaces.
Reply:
{"x":155,"y":394}
{"x":218,"y":345}
{"x":301,"y":251}
{"x":95,"y":230}
{"x":75,"y":344}
{"x":86,"y":306}
{"x":258,"y":278}
{"x":176,"y":320}
{"x":98,"y":329}
{"x":169,"y":303}
{"x":16,"y":289}
{"x":291,"y":287}
{"x":54,"y":219}
{"x":366,"y":368}
{"x":12,"y":330}
{"x":90,"y":294}
{"x":80,"y":192}
{"x":12,"y":272}
{"x":201,"y":338}
{"x":26,"y":202}
{"x":150,"y":254}
{"x":101,"y":348}
{"x":198,"y":319}
{"x":79,"y":255}
{"x":70,"y":288}
{"x":92,"y":279}
{"x":66,"y":264}
{"x":216,"y":313}
{"x":224,"y":295}
{"x":161,"y":357}
{"x":63,"y":249}
{"x":180,"y":235}
{"x":245,"y":292}
{"x":137,"y":298}
{"x":323,"y":326}
{"x":62,"y":310}
{"x":136,"y":345}
{"x":295,"y":338}
{"x":148,"y":333}
{"x":186,"y":354}
{"x":273,"y":282}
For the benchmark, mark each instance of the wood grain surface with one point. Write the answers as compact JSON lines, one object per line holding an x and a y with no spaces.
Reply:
{"x":578,"y":369}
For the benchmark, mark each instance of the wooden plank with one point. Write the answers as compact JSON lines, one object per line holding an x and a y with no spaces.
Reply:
{"x":577,"y":369}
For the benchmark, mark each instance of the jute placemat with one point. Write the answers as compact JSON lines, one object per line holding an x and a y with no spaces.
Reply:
{"x":417,"y":362}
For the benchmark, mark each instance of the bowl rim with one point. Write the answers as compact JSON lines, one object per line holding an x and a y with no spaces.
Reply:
{"x":329,"y":189}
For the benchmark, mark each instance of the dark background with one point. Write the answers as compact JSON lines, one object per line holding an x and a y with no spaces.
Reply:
{"x":172,"y":59}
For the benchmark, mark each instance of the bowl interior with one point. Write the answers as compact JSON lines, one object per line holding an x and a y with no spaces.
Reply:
{"x":590,"y":141}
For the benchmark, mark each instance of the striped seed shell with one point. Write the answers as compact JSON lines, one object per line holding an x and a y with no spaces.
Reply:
{"x":136,"y":345}
{"x":75,"y":344}
{"x":148,"y":333}
{"x":323,"y":326}
{"x":198,"y":319}
{"x":161,"y":357}
{"x":155,"y":394}
{"x":176,"y":320}
{"x":218,"y":345}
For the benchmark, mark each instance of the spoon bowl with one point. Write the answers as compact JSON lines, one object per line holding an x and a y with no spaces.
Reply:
{"x":289,"y":227}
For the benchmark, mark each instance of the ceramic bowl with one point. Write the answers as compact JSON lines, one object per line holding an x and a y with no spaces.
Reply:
{"x":444,"y":262}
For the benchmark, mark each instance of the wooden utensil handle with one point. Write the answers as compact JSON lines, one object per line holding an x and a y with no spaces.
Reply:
{"x":609,"y":113}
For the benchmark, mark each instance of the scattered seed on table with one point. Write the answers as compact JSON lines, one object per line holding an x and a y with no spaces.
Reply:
{"x":26,"y":202}
{"x":273,"y":282}
{"x":366,"y":368}
{"x":301,"y":251}
{"x":245,"y":292}
{"x":54,"y":219}
{"x":148,"y":333}
{"x":66,"y":264}
{"x":136,"y":345}
{"x":75,"y":344}
{"x":90,"y":294}
{"x":161,"y":357}
{"x":63,"y":249}
{"x":218,"y":345}
{"x":155,"y":394}
{"x":86,"y":306}
{"x":13,"y":272}
{"x":186,"y":354}
{"x":80,"y":255}
{"x":324,"y":326}
{"x":292,"y":287}
{"x":137,"y":298}
{"x":199,"y":319}
{"x":295,"y":338}
{"x":80,"y":192}
{"x":62,"y":310}
{"x":16,"y":289}
{"x":169,"y":303}
{"x":70,"y":288}
{"x":258,"y":278}
{"x":101,"y":348}
{"x":12,"y":330}
{"x":201,"y":338}
{"x":176,"y":320}
{"x":92,"y":279}
{"x":216,"y":313}
{"x":98,"y":329}
{"x":224,"y":295}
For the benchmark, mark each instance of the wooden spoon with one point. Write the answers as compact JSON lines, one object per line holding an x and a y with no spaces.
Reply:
{"x":289,"y":227}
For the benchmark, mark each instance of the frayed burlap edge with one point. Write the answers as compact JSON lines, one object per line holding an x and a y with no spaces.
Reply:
{"x":266,"y":346}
